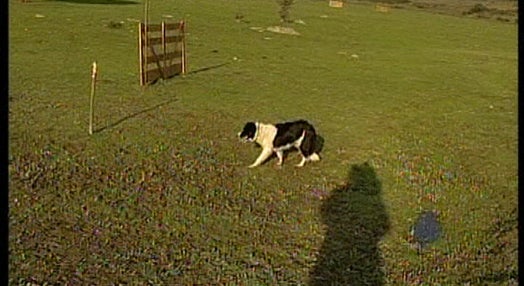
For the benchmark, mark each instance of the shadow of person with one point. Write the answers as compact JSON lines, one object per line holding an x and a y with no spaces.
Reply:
{"x":356,"y":221}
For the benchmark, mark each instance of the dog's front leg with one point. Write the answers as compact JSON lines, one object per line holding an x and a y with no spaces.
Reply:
{"x":262,"y":157}
{"x":301,"y":164}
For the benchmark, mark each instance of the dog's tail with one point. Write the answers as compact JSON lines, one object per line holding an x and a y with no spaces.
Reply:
{"x":310,"y":147}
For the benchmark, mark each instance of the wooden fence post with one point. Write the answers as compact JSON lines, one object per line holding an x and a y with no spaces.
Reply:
{"x":164,"y":49}
{"x":141,"y":52}
{"x":92,"y":99}
{"x":183,"y":34}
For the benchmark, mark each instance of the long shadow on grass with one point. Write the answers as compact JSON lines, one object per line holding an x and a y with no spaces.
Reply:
{"x":112,"y":2}
{"x":114,"y":124}
{"x":356,"y":219}
{"x":208,"y":68}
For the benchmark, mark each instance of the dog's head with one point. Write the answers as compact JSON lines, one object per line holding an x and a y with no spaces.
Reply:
{"x":249,"y":132}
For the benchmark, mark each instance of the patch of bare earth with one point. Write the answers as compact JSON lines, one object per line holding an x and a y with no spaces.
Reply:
{"x":283,"y":30}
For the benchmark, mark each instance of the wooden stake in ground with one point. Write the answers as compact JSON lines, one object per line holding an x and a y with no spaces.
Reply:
{"x":92,"y":99}
{"x":146,"y":37}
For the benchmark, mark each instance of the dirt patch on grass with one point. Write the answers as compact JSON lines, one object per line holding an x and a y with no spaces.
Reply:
{"x":283,"y":30}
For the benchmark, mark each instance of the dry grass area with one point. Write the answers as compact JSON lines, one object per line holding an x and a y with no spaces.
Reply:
{"x":502,"y":10}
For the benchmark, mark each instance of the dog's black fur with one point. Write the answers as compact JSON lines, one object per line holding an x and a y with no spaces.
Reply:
{"x":289,"y":132}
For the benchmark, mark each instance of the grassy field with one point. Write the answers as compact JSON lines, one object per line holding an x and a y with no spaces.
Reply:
{"x":418,"y":111}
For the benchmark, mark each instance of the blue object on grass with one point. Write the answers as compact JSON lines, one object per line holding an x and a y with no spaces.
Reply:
{"x":427,"y":229}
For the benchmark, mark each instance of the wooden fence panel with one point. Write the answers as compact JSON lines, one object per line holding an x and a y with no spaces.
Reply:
{"x":162,"y":51}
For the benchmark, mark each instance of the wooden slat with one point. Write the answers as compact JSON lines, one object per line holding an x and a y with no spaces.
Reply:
{"x":154,"y":72}
{"x":153,"y":65}
{"x":154,"y":40}
{"x":167,"y":56}
{"x":153,"y":75}
{"x":154,"y":28}
{"x":172,"y":26}
{"x":174,"y":39}
{"x":173,"y":55}
{"x":173,"y":70}
{"x":169,"y":39}
{"x":173,"y":63}
{"x":154,"y":52}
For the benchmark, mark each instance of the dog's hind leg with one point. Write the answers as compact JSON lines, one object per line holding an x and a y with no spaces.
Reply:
{"x":262,"y":157}
{"x":280,"y":155}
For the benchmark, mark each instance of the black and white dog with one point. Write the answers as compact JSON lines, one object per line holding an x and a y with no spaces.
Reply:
{"x":280,"y":137}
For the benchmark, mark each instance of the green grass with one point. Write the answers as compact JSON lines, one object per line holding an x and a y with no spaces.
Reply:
{"x":159,"y":195}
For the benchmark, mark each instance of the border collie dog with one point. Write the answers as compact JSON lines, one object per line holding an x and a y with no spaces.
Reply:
{"x":280,"y":137}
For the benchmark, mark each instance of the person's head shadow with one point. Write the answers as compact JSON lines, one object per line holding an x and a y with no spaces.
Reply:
{"x":356,"y":221}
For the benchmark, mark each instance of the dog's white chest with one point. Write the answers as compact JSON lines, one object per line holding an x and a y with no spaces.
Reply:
{"x":266,"y":134}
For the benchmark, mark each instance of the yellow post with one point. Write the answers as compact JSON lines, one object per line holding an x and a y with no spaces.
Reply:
{"x":92,"y":100}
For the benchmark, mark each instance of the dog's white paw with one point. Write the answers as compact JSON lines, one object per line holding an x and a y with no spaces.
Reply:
{"x":301,"y":164}
{"x":314,"y":157}
{"x":251,"y":166}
